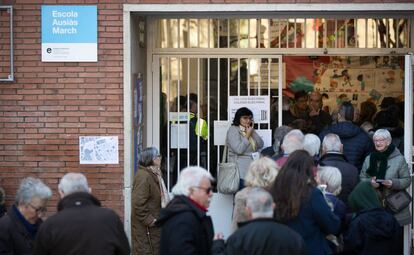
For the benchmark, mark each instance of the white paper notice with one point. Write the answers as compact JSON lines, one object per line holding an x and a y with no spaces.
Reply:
{"x":220,"y":131}
{"x":179,"y":132}
{"x":266,"y":135}
{"x":259,"y":105}
{"x":98,"y":150}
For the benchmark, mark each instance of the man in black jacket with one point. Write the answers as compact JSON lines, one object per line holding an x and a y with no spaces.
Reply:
{"x":81,"y":225}
{"x":261,"y":234}
{"x":332,"y":156}
{"x":186,"y":229}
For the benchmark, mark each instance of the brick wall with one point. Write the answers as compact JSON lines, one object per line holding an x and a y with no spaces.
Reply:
{"x":47,"y":108}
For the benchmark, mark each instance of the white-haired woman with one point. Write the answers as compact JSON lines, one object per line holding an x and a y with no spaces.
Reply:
{"x":19,"y":227}
{"x":261,"y":174}
{"x":149,"y":195}
{"x":387,"y":170}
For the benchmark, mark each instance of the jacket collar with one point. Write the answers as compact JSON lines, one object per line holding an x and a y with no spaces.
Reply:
{"x":241,"y":224}
{"x":334,"y":156}
{"x":77,"y":199}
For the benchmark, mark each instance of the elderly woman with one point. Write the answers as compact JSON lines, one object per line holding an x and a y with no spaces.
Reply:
{"x":149,"y":195}
{"x":261,"y":173}
{"x":387,"y":170}
{"x":243,"y":142}
{"x":19,"y":226}
{"x":312,"y":144}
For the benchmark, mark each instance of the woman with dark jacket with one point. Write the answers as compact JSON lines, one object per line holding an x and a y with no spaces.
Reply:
{"x":149,"y":195}
{"x":301,"y":206}
{"x":243,"y":142}
{"x":372,"y":229}
{"x":18,"y":228}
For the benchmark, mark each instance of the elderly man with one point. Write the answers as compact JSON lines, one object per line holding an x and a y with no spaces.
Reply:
{"x":186,"y":229}
{"x":81,"y":225}
{"x":357,"y":144}
{"x":261,"y":234}
{"x":292,"y":141}
{"x":18,"y":228}
{"x":332,"y":156}
{"x":319,"y":119}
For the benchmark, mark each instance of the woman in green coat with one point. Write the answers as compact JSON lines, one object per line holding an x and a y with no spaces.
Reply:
{"x":387,"y":170}
{"x":149,"y":195}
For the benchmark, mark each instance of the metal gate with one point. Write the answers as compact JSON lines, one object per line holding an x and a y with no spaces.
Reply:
{"x":190,"y":93}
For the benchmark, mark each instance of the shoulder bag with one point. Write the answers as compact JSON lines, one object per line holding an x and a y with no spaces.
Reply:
{"x":398,"y":201}
{"x":228,"y":176}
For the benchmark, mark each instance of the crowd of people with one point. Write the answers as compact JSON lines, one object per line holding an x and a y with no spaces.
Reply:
{"x":318,"y":192}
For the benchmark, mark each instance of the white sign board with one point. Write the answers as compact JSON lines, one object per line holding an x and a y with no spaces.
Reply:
{"x":69,"y":33}
{"x":179,"y":133}
{"x":266,"y":135}
{"x":98,"y":150}
{"x":220,"y":131}
{"x":259,"y":105}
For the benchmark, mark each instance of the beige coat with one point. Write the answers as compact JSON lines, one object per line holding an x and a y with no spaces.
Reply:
{"x":146,"y":206}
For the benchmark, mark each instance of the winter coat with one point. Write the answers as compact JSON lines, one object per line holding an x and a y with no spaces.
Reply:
{"x":357,"y":144}
{"x":398,"y":172}
{"x":319,"y":122}
{"x":314,"y":222}
{"x":14,"y":237}
{"x":348,"y":171}
{"x":261,"y":236}
{"x":185,"y":228}
{"x":240,"y":150}
{"x":146,"y":206}
{"x":82,"y":226}
{"x":372,"y":232}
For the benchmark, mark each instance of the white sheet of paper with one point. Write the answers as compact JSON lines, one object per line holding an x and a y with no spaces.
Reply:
{"x":266,"y":135}
{"x":259,"y":105}
{"x":220,"y":131}
{"x":179,"y":131}
{"x":98,"y":150}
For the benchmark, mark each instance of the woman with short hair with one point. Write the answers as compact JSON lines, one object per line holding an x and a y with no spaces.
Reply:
{"x":261,"y":174}
{"x":149,"y":195}
{"x":243,"y":142}
{"x":18,"y":228}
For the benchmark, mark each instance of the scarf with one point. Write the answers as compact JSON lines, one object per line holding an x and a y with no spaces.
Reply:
{"x":31,"y":228}
{"x":251,"y":140}
{"x":165,"y":198}
{"x":378,"y":162}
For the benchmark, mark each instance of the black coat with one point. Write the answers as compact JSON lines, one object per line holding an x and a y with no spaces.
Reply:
{"x":261,"y":237}
{"x":372,"y":232}
{"x":186,"y":229}
{"x":14,"y":237}
{"x":82,"y":226}
{"x":357,"y":143}
{"x":350,"y":175}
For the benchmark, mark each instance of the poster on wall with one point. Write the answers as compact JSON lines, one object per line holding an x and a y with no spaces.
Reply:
{"x":259,"y":105}
{"x":98,"y":150}
{"x":69,"y":33}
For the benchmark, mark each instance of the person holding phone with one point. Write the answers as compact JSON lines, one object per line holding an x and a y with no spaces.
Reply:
{"x":243,"y":142}
{"x":387,"y":171}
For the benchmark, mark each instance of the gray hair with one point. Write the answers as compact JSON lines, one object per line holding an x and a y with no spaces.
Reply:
{"x":293,"y":141}
{"x":260,"y":203}
{"x":331,"y":142}
{"x":190,"y":177}
{"x":147,"y":156}
{"x":73,"y":182}
{"x":384,"y":134}
{"x":262,"y":173}
{"x":30,"y":188}
{"x":331,"y":177}
{"x":312,"y":144}
{"x":280,"y":133}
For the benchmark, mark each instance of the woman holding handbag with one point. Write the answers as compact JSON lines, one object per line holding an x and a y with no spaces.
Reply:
{"x":149,"y":195}
{"x":243,"y":142}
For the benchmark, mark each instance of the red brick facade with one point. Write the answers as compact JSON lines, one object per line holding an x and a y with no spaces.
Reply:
{"x":49,"y":105}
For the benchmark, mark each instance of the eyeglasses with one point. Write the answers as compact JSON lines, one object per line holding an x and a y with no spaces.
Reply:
{"x":41,"y":209}
{"x":380,"y":140}
{"x":207,"y":190}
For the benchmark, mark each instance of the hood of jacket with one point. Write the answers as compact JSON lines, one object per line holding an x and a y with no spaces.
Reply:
{"x":345,"y":129}
{"x":77,"y":199}
{"x":379,"y":224}
{"x":177,"y":205}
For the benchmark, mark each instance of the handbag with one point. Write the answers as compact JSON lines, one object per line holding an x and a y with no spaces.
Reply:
{"x":228,"y":179}
{"x":398,"y":201}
